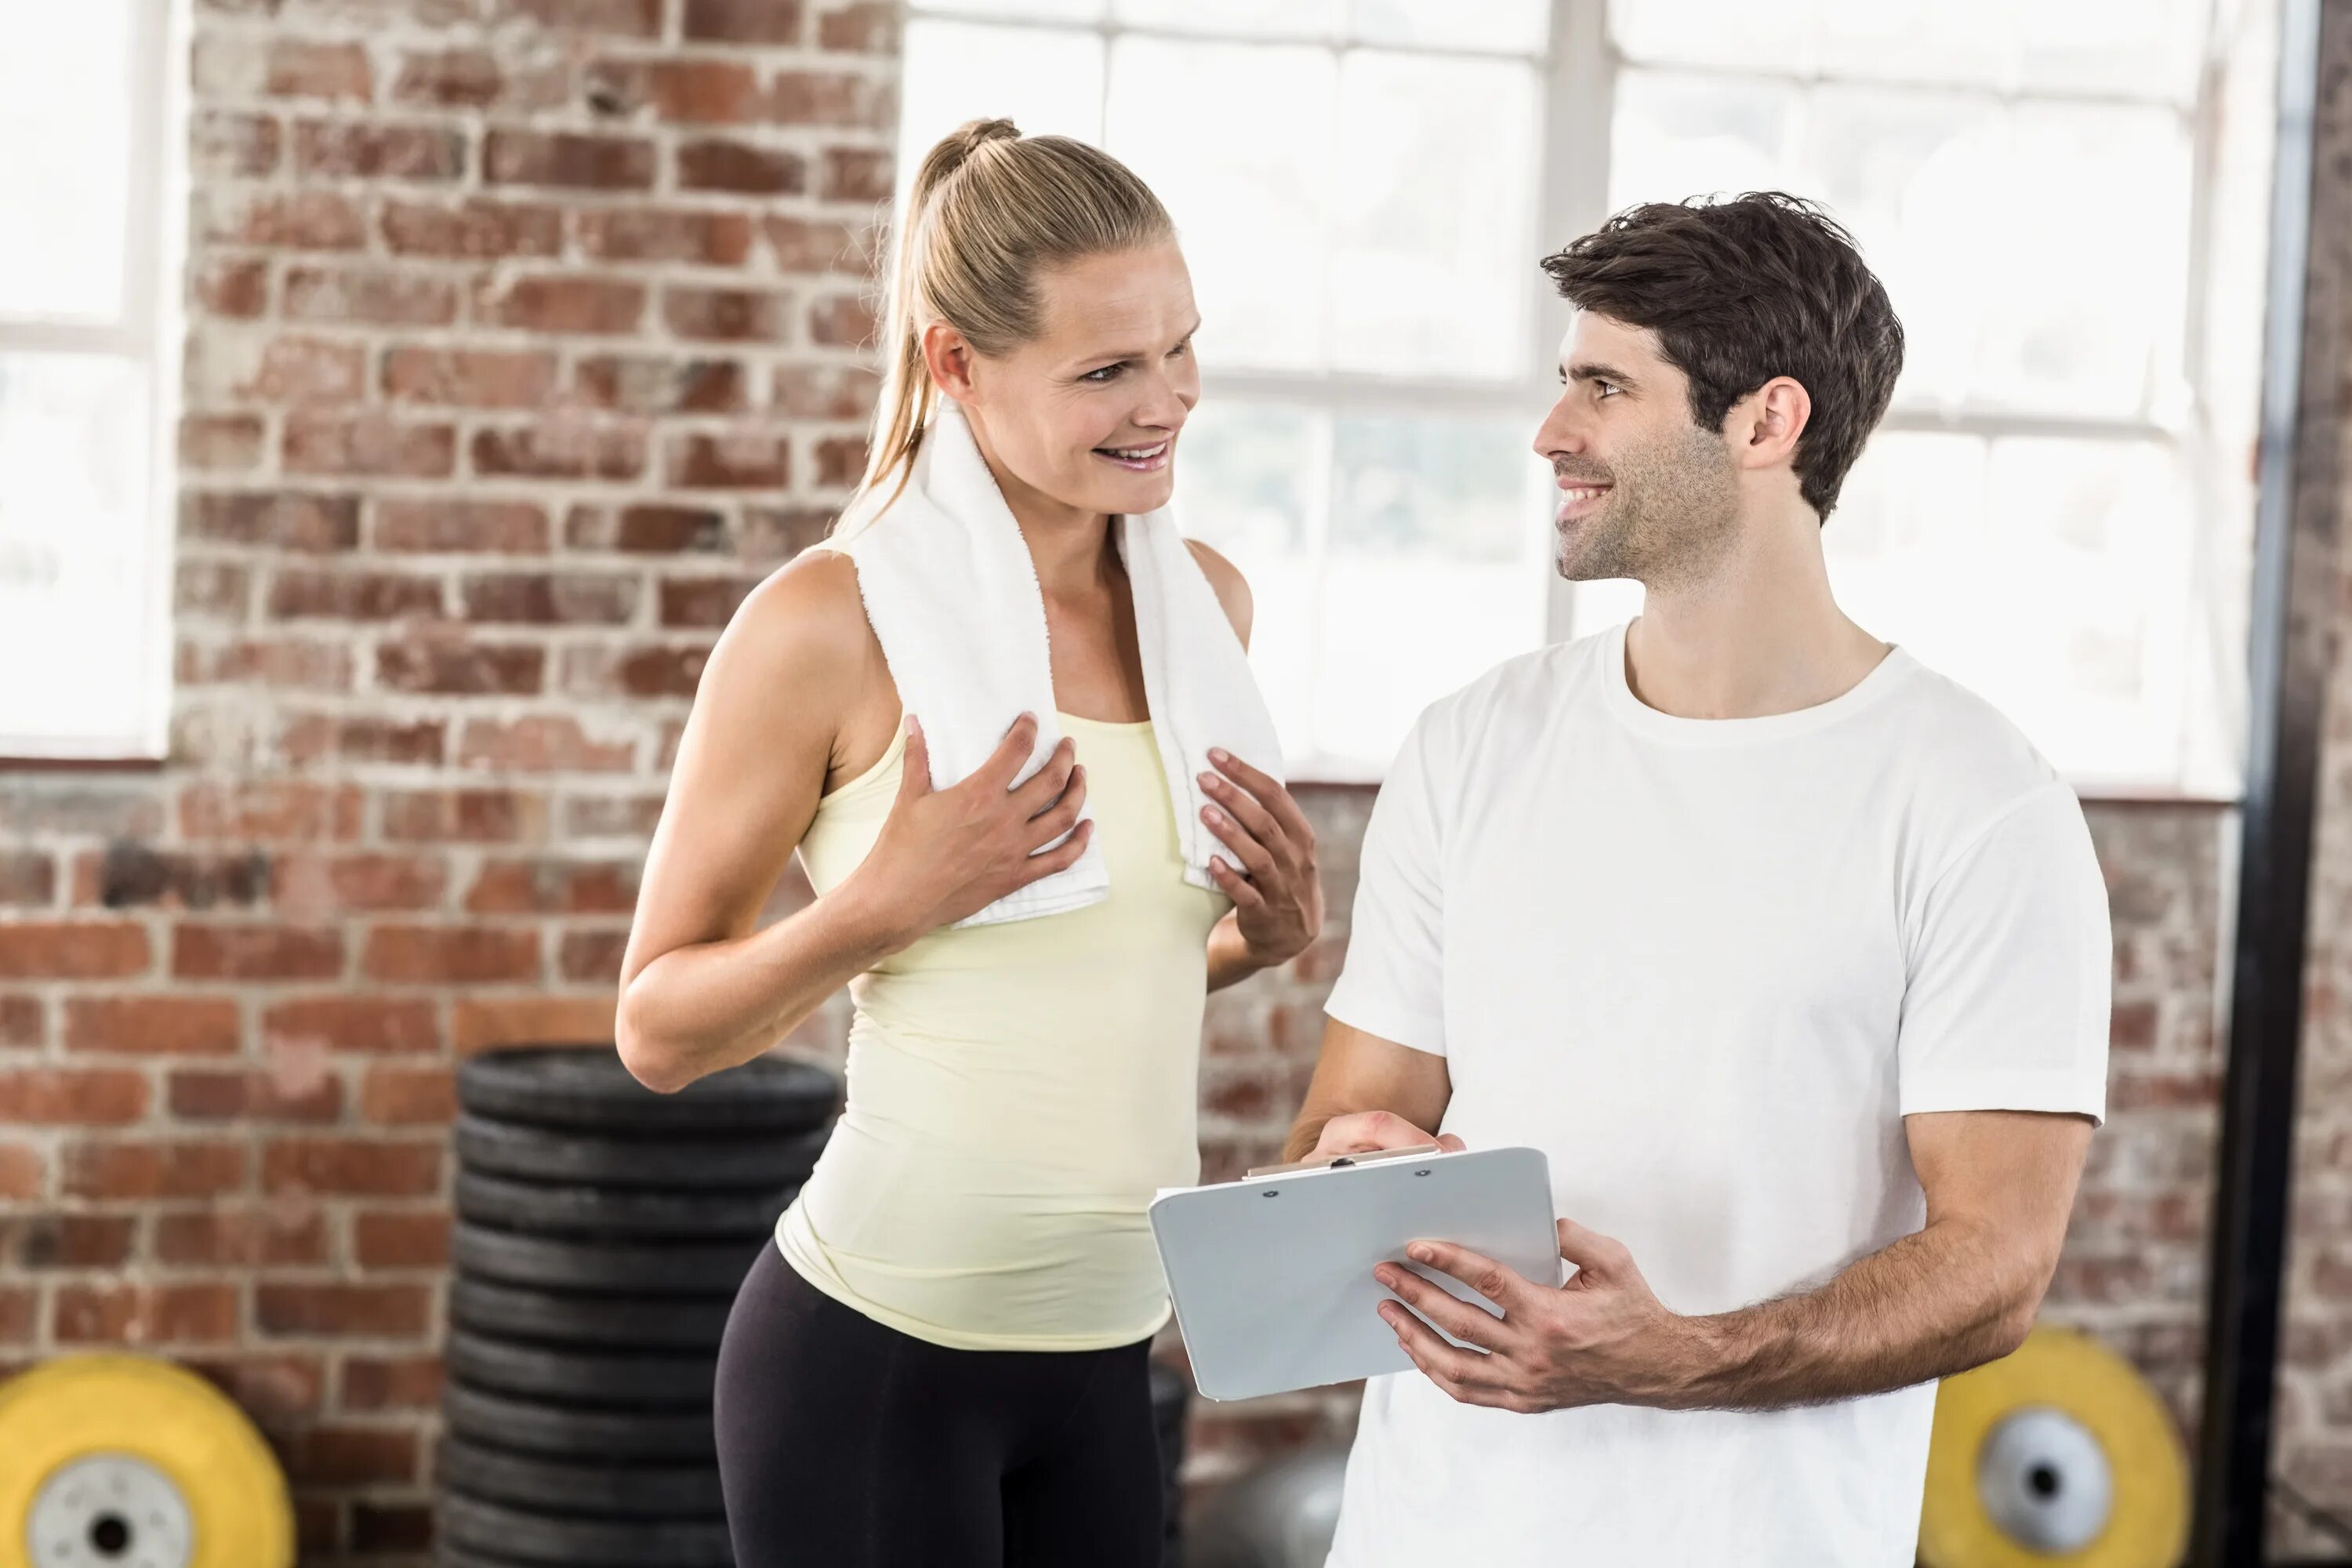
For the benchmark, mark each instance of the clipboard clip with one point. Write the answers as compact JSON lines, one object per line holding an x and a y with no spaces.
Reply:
{"x":1340,"y":1161}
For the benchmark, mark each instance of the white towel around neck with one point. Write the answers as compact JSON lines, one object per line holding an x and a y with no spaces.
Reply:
{"x":951,"y":593}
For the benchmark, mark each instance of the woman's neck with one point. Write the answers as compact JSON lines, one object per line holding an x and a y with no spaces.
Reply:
{"x":1070,"y":546}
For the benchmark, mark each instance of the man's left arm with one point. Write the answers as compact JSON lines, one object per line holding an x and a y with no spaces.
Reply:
{"x":1958,"y":1293}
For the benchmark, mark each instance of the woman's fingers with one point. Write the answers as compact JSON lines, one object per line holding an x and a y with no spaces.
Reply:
{"x":1255,"y":858}
{"x":1269,"y":794}
{"x":1063,"y":816}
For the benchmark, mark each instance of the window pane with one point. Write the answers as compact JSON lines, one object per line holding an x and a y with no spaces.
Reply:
{"x":1263,"y":19}
{"x":65,"y":161}
{"x":2114,"y":45}
{"x":1434,"y":255}
{"x":75,"y":544}
{"x":1677,"y":136}
{"x":1518,"y":25}
{"x":1246,"y":483}
{"x":1045,"y":10}
{"x":1250,"y":192}
{"x":1919,"y":40}
{"x":1717,"y":33}
{"x":1047,"y":81}
{"x":1434,"y":571}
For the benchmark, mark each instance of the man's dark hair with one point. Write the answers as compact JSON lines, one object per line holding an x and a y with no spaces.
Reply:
{"x":1741,"y":291}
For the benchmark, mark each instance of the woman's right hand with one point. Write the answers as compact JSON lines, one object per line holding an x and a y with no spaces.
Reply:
{"x":944,"y":854}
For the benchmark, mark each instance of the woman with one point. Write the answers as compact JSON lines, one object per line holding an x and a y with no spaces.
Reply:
{"x":943,"y":1360}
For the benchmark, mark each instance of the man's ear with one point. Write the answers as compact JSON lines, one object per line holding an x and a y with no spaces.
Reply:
{"x":1766,"y":424}
{"x":949,"y":356}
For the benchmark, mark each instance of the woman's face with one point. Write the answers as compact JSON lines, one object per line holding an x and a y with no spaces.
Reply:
{"x":1087,"y":416}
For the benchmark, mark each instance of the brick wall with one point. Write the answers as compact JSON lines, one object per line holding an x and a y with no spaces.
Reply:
{"x":523,"y":340}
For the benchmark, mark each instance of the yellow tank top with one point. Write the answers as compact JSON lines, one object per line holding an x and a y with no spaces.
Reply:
{"x":1017,"y":1092}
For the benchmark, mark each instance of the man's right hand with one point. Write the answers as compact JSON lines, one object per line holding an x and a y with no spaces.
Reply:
{"x":1364,"y":1131}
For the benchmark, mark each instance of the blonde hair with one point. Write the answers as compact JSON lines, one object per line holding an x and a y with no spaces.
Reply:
{"x":990,"y":208}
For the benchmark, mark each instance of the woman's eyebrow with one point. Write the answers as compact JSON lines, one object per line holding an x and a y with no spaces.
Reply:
{"x":1120,"y":356}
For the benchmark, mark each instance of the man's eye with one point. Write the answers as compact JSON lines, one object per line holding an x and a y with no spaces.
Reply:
{"x":1607,"y":388}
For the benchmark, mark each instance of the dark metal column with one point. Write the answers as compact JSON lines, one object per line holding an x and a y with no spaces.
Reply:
{"x":2294,"y":589}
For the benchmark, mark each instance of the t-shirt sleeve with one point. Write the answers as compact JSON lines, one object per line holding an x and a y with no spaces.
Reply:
{"x":2005,"y":1007}
{"x":1392,"y":983}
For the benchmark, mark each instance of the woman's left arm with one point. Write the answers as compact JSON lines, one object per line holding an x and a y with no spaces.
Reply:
{"x":1277,"y":888}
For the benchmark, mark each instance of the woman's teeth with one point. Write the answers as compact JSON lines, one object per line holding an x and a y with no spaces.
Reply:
{"x":1142,"y":459}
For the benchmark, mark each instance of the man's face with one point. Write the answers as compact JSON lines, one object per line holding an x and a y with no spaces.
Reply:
{"x":1644,"y":492}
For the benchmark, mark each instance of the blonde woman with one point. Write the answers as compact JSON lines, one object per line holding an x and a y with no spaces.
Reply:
{"x":942,"y":1360}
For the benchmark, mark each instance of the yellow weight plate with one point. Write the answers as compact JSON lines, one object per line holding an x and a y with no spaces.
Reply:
{"x":2056,"y":1370}
{"x":113,"y":1445}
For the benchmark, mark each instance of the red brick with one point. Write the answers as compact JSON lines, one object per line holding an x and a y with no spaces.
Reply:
{"x":2137,"y":1091}
{"x":236,"y":287}
{"x":736,"y":167}
{"x":454,"y":955}
{"x":210,"y":590}
{"x":23,"y":1172}
{"x":737,"y":460}
{"x":815,"y":244}
{"x":228,"y":144}
{"x":144,"y":1314}
{"x":856,"y":174}
{"x":273,"y":1235}
{"x":867,"y":26}
{"x":271,"y":1388}
{"x":29,"y":879}
{"x":71,"y":1097}
{"x":66,"y":1240}
{"x":286,"y":220}
{"x":482,"y":1024}
{"x":368,"y":444}
{"x":182,"y":1168}
{"x":275,"y":520}
{"x":630,"y":19}
{"x":390,"y":1528}
{"x":550,"y":598}
{"x":844,"y":321}
{"x":299,"y":68}
{"x":478,"y":78}
{"x":664,"y":234}
{"x":24,"y":1021}
{"x":346,"y":595}
{"x":292,"y":663}
{"x":284,"y":1095}
{"x":840,"y":461}
{"x":464,"y":817}
{"x":371,"y":1166}
{"x":743,"y":21}
{"x":220,"y":443}
{"x":460,"y":668}
{"x":397,"y":1238}
{"x":567,"y":160}
{"x":642,"y":384}
{"x":343,"y":884}
{"x":20,"y":1313}
{"x":393,"y":1096}
{"x":547,"y":743}
{"x":371,"y":1384}
{"x":554,"y":886}
{"x":382,"y":297}
{"x":419,"y":742}
{"x":205,"y":952}
{"x":727,"y":315}
{"x":346,"y":149}
{"x":72,"y":949}
{"x":371,"y":1025}
{"x":702,"y":601}
{"x":833,"y":97}
{"x":317,"y":1526}
{"x":561,"y":304}
{"x":452,"y":526}
{"x":352,"y":1456}
{"x":472,"y":229}
{"x":308,"y":371}
{"x":2132,"y":1026}
{"x":468,"y":378}
{"x":396,"y":1309}
{"x":648,"y":529}
{"x":592,"y":956}
{"x":264,"y":810}
{"x":564,"y":449}
{"x":690,"y":91}
{"x":774,"y":534}
{"x":159,"y":1026}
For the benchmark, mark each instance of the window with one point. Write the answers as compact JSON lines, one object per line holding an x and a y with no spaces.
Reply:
{"x":2050,"y":514}
{"x":85,"y":367}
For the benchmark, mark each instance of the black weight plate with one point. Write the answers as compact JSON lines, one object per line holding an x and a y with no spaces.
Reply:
{"x":585,"y":1087}
{"x":571,"y":1209}
{"x":705,"y":1268}
{"x":526,"y":1425}
{"x":618,"y":1323}
{"x":535,"y":1537}
{"x":573,"y":1488}
{"x":744,"y":1162}
{"x":567,"y":1375}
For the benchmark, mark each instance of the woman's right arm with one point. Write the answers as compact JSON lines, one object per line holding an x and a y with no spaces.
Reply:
{"x":701,"y":989}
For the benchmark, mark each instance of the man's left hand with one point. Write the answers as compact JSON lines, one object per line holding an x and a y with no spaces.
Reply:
{"x":1601,"y":1339}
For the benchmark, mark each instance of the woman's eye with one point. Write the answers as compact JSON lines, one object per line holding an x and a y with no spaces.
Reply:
{"x":1181,"y":350}
{"x":1107,"y":373}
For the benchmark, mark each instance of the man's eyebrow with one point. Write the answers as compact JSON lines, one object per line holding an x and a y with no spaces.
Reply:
{"x":1588,"y":370}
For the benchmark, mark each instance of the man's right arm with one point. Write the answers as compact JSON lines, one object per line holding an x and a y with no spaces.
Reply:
{"x":1369,"y":1093}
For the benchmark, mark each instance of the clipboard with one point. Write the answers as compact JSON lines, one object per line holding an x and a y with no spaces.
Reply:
{"x":1272,"y":1275}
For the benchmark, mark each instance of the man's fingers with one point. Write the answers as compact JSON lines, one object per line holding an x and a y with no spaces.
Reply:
{"x":1269,"y":795}
{"x":1471,"y":1325}
{"x":1362,"y":1130}
{"x":1591,"y":1252}
{"x":1465,"y":1372}
{"x":1005,"y":763}
{"x":1498,"y":1284}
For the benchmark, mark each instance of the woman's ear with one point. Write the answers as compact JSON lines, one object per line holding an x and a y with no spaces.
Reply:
{"x":949,"y":357}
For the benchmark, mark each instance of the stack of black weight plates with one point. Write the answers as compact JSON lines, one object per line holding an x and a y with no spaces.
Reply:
{"x":602,"y":1232}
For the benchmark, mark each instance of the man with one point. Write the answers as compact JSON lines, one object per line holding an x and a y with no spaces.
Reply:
{"x":1792,"y":955}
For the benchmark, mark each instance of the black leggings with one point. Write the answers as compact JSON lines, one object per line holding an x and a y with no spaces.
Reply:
{"x":844,"y":1444}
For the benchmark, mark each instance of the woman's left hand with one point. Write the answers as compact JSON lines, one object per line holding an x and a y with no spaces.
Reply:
{"x":1278,"y":889}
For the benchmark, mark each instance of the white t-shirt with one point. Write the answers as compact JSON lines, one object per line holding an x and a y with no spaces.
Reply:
{"x":1707,"y":967}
